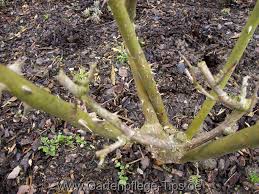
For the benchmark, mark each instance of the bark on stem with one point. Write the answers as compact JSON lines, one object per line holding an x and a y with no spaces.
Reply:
{"x":207,"y":136}
{"x":130,"y":133}
{"x":131,"y":8}
{"x":233,"y":103}
{"x":246,"y":138}
{"x":39,"y":98}
{"x":129,"y":36}
{"x":105,"y":151}
{"x":229,"y":67}
{"x":148,"y":110}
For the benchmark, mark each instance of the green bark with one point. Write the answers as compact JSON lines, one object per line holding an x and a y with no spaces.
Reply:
{"x":147,"y":108}
{"x":144,"y":70}
{"x":235,"y":56}
{"x":41,"y":99}
{"x":246,"y":138}
{"x":131,"y":7}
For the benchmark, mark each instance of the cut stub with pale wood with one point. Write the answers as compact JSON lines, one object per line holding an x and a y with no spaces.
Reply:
{"x":240,"y":103}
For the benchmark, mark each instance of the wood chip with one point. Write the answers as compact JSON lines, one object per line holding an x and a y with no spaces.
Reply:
{"x":113,"y":75}
{"x":14,"y":173}
{"x":123,"y":72}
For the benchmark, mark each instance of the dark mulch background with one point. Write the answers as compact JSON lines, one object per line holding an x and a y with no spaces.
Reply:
{"x":54,"y":35}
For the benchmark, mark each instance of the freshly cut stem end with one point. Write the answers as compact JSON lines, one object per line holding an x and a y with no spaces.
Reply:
{"x":233,"y":59}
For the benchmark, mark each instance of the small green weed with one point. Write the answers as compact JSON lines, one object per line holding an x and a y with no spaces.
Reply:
{"x":225,"y":11}
{"x":122,"y":173}
{"x":122,"y":56}
{"x":50,"y":146}
{"x":80,"y":140}
{"x":254,"y":177}
{"x":195,"y":180}
{"x":46,"y":16}
{"x":80,"y":76}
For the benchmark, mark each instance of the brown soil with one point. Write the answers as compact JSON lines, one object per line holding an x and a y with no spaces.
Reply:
{"x":54,"y":35}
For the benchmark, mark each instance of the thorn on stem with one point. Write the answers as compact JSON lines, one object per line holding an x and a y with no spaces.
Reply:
{"x":17,"y":65}
{"x":84,"y":124}
{"x":26,"y":89}
{"x":26,"y":109}
{"x":250,"y":29}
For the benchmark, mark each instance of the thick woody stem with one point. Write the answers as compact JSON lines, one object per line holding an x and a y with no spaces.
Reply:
{"x":131,"y":134}
{"x":39,"y":98}
{"x":236,"y":54}
{"x":243,"y":105}
{"x":15,"y":67}
{"x":207,"y":136}
{"x":245,"y":138}
{"x":131,"y":41}
{"x":131,"y":8}
{"x":148,"y":110}
{"x":114,"y":120}
{"x":108,"y":116}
